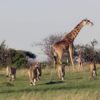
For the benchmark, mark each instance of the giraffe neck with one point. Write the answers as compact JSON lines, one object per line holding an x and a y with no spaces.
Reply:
{"x":72,"y":35}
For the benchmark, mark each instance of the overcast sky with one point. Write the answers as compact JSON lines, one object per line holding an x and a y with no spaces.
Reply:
{"x":23,"y":22}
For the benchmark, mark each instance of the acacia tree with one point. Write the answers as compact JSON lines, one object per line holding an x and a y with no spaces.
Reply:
{"x":46,"y":44}
{"x":15,"y":58}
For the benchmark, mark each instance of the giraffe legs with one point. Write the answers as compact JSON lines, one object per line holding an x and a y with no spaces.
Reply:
{"x":71,"y":54}
{"x":60,"y":71}
{"x":58,"y":64}
{"x":58,"y":57}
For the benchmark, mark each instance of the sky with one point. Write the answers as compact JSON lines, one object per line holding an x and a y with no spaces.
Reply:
{"x":25,"y":22}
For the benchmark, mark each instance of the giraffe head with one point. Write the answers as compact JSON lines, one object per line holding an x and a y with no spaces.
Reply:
{"x":86,"y":22}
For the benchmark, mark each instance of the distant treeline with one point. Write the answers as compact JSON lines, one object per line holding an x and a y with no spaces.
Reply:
{"x":88,"y":52}
{"x":19,"y":58}
{"x":12,"y":57}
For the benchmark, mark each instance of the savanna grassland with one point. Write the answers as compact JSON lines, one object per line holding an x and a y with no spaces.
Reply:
{"x":76,"y":86}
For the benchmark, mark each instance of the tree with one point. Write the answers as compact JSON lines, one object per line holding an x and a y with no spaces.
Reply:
{"x":12,"y":57}
{"x":2,"y":53}
{"x":89,"y":51}
{"x":94,"y":43}
{"x":48,"y":42}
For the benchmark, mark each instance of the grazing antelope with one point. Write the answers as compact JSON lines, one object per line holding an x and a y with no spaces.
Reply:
{"x":11,"y":73}
{"x":66,"y":43}
{"x":34,"y":73}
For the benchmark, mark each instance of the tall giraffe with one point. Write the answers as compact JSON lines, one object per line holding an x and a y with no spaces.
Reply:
{"x":67,"y":43}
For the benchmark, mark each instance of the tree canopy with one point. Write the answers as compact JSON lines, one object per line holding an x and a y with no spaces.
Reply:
{"x":15,"y":58}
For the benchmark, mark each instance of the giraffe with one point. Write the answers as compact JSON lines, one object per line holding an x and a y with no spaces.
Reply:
{"x":66,"y":43}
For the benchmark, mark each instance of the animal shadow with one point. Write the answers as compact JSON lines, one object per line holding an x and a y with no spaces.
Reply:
{"x":54,"y":82}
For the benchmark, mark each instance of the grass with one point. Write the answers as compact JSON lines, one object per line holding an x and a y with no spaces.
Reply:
{"x":77,"y":85}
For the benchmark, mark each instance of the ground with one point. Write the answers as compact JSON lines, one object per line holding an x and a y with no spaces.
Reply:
{"x":76,"y":86}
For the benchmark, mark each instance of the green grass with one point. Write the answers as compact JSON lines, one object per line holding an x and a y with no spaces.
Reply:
{"x":76,"y":86}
